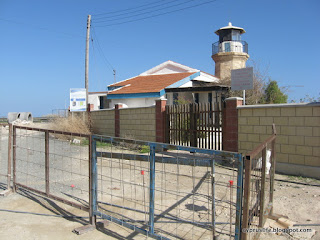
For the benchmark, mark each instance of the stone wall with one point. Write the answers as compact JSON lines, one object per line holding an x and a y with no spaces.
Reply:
{"x":298,"y":134}
{"x":103,"y":122}
{"x":146,"y":123}
{"x":138,"y":123}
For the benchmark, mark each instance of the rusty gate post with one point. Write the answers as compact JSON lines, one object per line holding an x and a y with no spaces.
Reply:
{"x":47,"y":164}
{"x":14,"y":149}
{"x":9,"y":157}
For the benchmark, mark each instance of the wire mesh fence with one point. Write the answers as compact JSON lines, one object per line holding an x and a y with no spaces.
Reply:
{"x":166,"y":191}
{"x":258,"y":187}
{"x":159,"y":190}
{"x":4,"y":134}
{"x":52,"y":163}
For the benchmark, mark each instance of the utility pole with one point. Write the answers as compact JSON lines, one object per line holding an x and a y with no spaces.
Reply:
{"x":87,"y":62}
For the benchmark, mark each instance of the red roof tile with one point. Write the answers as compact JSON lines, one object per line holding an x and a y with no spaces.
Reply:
{"x":148,"y":84}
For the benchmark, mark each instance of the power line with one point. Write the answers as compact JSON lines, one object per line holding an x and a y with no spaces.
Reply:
{"x":95,"y":64}
{"x":101,"y":51}
{"x":136,"y":10}
{"x":123,"y":10}
{"x":42,"y":28}
{"x":156,"y":15}
{"x":139,"y":14}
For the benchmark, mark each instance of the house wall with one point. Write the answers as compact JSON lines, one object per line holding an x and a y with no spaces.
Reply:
{"x":134,"y":102}
{"x":103,"y":122}
{"x":203,"y":97}
{"x":94,"y":99}
{"x":298,"y":135}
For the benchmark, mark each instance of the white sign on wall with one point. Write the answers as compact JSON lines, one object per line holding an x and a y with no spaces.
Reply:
{"x":242,"y":79}
{"x":77,"y":99}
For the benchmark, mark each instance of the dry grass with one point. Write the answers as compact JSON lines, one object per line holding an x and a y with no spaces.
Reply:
{"x":75,"y":124}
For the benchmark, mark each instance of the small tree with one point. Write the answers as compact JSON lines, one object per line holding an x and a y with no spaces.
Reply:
{"x":273,"y":93}
{"x":309,"y":98}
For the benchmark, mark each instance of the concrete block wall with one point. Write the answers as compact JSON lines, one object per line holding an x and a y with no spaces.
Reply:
{"x":138,"y":123}
{"x":103,"y":122}
{"x":298,"y":134}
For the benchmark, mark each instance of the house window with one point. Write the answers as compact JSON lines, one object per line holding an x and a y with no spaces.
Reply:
{"x":101,"y":102}
{"x":175,"y":98}
{"x":210,"y":97}
{"x":196,"y":97}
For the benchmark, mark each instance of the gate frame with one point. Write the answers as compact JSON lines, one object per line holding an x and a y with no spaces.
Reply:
{"x":153,"y":146}
{"x":92,"y":177}
{"x":47,"y":193}
{"x":262,"y":148}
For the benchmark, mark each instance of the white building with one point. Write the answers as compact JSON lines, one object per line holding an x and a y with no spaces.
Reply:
{"x":170,"y":80}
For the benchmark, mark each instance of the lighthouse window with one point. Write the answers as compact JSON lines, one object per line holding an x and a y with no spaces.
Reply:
{"x":236,"y":35}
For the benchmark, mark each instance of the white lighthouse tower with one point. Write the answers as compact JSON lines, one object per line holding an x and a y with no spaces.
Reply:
{"x":230,"y":52}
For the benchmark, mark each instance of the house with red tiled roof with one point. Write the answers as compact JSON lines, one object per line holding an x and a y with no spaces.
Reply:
{"x":169,"y":80}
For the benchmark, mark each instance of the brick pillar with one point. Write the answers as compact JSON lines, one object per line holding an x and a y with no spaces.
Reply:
{"x":117,"y":119}
{"x":230,"y":124}
{"x":160,"y":120}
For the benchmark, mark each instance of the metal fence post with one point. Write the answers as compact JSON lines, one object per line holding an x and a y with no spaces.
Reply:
{"x":47,"y":162}
{"x":213,"y":206}
{"x":14,"y":149}
{"x":92,"y":180}
{"x":239,"y":198}
{"x":9,"y":156}
{"x":152,"y":188}
{"x":246,"y":199}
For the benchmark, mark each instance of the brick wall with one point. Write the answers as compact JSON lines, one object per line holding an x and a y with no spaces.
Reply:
{"x":298,"y":134}
{"x":138,"y":123}
{"x":103,"y":122}
{"x":146,"y":123}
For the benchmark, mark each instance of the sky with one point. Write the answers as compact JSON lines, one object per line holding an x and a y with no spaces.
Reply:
{"x":43,"y":44}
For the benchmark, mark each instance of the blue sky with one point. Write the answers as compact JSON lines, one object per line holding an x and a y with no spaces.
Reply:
{"x":43,"y":44}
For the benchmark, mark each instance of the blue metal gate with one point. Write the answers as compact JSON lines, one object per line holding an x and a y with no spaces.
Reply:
{"x":166,"y":191}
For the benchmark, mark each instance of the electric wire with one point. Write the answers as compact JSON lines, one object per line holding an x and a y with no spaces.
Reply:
{"x":101,"y":51}
{"x":135,"y":10}
{"x":42,"y":28}
{"x":123,"y":10}
{"x":156,"y":15}
{"x":139,"y":14}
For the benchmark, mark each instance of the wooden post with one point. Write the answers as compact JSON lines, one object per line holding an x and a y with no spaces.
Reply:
{"x":192,"y":130}
{"x":263,"y":181}
{"x":272,"y":173}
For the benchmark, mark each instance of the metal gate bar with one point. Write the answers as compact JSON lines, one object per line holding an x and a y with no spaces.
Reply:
{"x":153,"y":157}
{"x":259,"y":179}
{"x":45,"y":160}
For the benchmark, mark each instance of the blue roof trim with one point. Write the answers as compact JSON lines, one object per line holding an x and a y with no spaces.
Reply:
{"x":136,"y":95}
{"x":113,"y":88}
{"x":185,"y":80}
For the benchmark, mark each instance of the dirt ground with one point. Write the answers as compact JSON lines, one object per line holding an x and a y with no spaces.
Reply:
{"x":297,"y":198}
{"x":26,"y":215}
{"x":19,"y":220}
